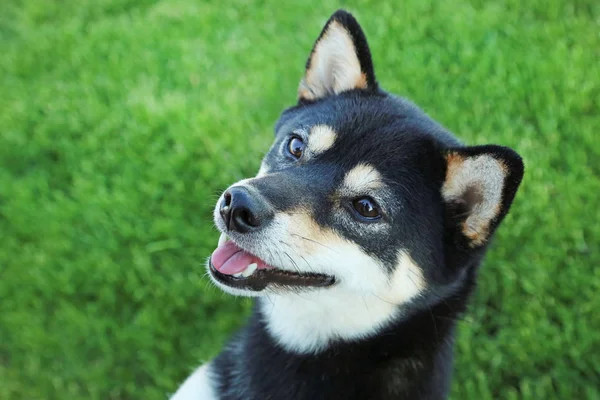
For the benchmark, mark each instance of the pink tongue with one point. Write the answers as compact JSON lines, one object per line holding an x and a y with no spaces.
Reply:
{"x":229,"y":259}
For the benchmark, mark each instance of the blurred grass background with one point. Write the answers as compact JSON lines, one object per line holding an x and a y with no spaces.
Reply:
{"x":121,"y":121}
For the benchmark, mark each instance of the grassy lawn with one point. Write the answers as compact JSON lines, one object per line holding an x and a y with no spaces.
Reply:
{"x":121,"y":121}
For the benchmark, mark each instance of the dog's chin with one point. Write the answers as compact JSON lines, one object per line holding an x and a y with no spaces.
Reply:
{"x":239,"y":272}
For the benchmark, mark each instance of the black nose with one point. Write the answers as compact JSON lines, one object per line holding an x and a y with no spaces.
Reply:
{"x":243,"y":211}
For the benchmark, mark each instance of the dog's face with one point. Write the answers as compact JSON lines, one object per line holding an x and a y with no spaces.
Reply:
{"x":336,"y":202}
{"x":360,"y":191}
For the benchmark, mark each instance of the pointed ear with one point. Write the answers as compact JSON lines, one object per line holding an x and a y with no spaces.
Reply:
{"x":480,"y":185}
{"x":340,"y":60}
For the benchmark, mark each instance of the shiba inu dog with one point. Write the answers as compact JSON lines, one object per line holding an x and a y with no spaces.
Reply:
{"x":360,"y":239}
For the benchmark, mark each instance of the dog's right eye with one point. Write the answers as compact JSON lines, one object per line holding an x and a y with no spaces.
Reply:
{"x":295,"y":147}
{"x":367,"y":208}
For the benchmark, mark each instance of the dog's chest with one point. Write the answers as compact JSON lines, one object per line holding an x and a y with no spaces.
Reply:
{"x":257,"y":371}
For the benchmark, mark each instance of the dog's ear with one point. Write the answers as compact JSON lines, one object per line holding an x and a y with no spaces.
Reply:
{"x":340,"y":60}
{"x":479,"y":187}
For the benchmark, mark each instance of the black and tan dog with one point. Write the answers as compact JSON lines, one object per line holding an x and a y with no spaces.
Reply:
{"x":360,"y":237}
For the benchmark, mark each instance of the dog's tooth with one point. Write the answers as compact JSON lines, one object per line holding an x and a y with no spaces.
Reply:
{"x":249,"y":270}
{"x":239,"y":274}
{"x":222,"y":239}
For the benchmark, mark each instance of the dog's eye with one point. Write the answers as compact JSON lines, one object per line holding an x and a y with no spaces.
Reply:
{"x":295,"y":147}
{"x":366,"y":207}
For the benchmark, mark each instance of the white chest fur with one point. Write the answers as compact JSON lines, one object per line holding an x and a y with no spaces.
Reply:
{"x":307,"y":324}
{"x":197,"y":386}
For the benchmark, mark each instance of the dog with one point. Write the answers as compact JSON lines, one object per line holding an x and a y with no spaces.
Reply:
{"x":360,"y":238}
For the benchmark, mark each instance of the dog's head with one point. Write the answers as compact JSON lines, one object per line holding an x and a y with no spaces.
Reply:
{"x":360,"y":191}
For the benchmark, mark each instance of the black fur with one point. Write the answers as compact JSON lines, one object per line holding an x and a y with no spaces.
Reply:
{"x":412,"y":357}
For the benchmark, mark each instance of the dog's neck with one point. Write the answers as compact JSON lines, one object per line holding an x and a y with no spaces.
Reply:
{"x":306,"y":323}
{"x":410,"y":354}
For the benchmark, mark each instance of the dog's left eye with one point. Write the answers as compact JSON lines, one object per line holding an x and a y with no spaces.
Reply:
{"x":366,"y":207}
{"x":295,"y":147}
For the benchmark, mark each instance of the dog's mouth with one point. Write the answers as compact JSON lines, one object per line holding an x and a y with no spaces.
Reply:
{"x":232,"y":266}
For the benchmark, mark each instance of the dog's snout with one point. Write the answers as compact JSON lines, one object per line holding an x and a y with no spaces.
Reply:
{"x":242,"y":211}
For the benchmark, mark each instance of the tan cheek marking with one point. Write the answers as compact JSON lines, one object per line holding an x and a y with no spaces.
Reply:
{"x":308,"y":236}
{"x":321,"y":139}
{"x":407,"y":280}
{"x":361,"y":82}
{"x":361,"y":178}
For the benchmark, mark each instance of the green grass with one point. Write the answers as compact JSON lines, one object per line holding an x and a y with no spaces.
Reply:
{"x":121,"y":120}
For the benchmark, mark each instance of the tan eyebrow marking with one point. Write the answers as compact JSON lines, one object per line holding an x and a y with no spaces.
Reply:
{"x":321,"y":139}
{"x":362,"y":177}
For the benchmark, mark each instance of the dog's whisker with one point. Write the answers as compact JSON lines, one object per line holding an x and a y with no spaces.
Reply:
{"x":307,"y":263}
{"x":385,"y":301}
{"x":296,"y":253}
{"x":365,"y":302}
{"x":292,"y":261}
{"x":313,"y":241}
{"x":270,"y":301}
